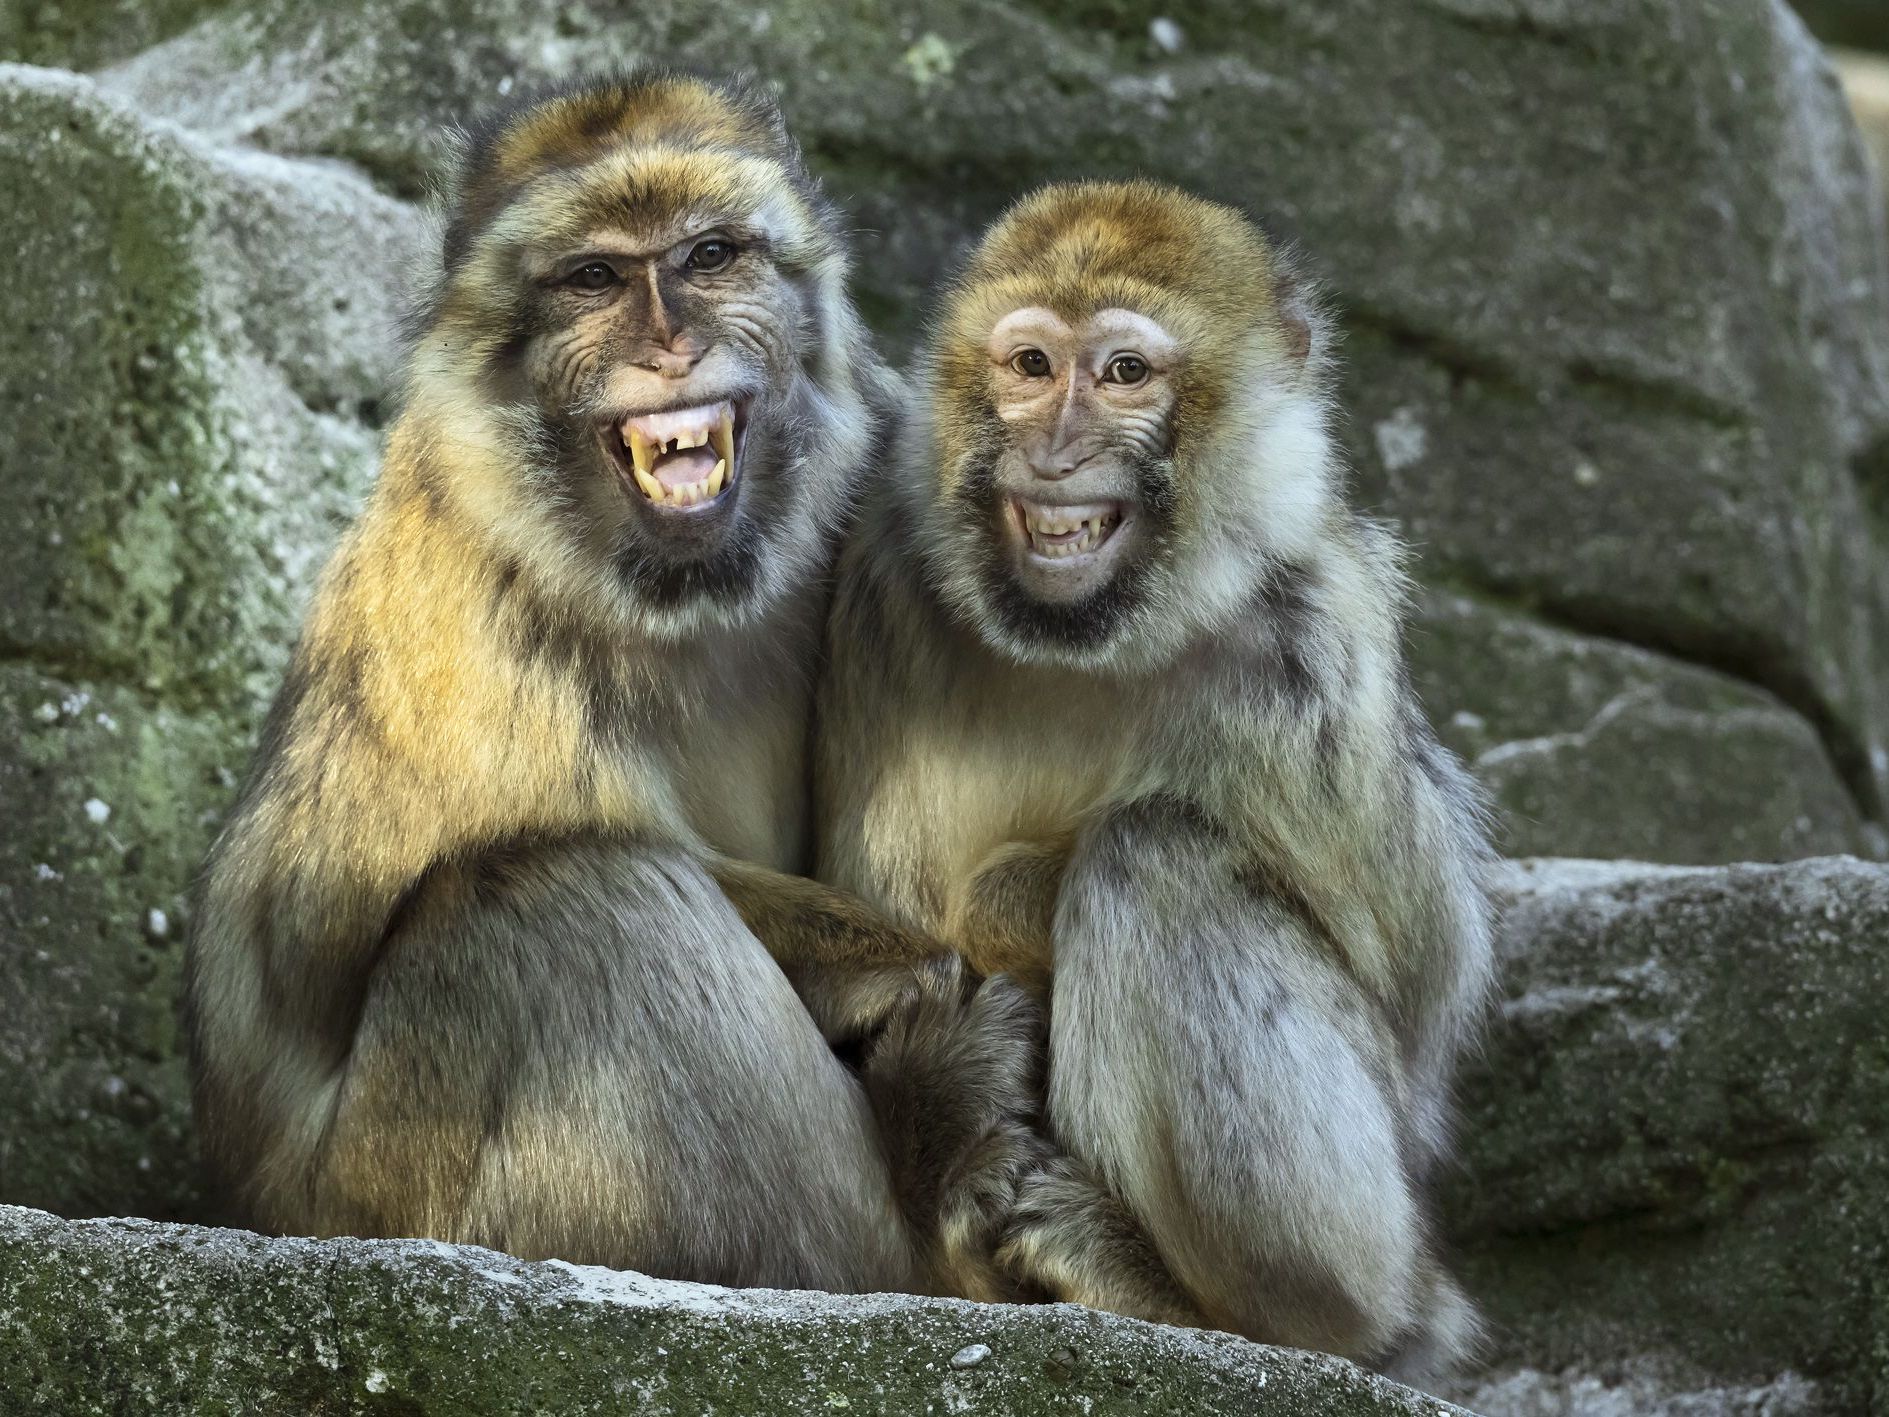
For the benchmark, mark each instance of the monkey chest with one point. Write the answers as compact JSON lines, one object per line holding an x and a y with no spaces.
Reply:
{"x":960,"y":782}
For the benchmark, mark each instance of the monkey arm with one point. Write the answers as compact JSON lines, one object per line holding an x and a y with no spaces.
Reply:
{"x":1002,"y":920}
{"x":852,"y":965}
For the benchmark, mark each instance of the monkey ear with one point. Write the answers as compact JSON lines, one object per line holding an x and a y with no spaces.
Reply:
{"x":1301,"y":319}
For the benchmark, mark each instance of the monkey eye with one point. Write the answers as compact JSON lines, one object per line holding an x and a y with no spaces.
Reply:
{"x":1125,"y":369}
{"x":711,"y":254}
{"x":595,"y":275}
{"x":1030,"y":363}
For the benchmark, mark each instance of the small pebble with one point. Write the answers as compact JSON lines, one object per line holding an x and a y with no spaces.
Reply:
{"x":971,"y":1356}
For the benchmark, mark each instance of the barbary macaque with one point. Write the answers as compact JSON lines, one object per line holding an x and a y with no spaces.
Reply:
{"x":1117,"y":704}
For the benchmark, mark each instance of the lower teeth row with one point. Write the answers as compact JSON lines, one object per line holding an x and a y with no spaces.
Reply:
{"x":686,"y":494}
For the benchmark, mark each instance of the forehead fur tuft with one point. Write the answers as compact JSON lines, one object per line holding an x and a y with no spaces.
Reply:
{"x":568,"y":127}
{"x":1202,"y":269}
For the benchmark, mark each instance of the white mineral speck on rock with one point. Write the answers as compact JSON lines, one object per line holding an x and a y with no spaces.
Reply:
{"x":970,"y":1355}
{"x":376,"y":1381}
{"x":1168,"y":37}
{"x":98,"y":812}
{"x":47,"y":712}
{"x":43,"y":872}
{"x":1401,"y":440}
{"x":156,"y":923}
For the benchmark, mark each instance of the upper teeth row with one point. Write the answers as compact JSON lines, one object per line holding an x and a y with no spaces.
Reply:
{"x":1092,"y":534}
{"x":1048,"y":523}
{"x":644,"y":450}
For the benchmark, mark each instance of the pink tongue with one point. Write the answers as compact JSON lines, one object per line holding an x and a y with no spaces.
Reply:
{"x":680,"y":468}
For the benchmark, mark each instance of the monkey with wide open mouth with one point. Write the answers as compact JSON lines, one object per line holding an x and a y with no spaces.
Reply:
{"x":476,"y":956}
{"x":1116,"y":703}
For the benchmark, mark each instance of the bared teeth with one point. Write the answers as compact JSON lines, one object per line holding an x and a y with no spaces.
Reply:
{"x":724,"y":436}
{"x":650,"y":438}
{"x":640,"y":454}
{"x":1059,"y":532}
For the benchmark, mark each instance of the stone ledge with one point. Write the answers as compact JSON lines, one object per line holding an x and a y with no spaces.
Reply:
{"x":133,"y":1316}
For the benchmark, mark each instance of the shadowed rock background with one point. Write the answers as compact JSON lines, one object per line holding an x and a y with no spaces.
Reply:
{"x":1615,"y":287}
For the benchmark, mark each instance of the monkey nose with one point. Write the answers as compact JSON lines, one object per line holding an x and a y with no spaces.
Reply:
{"x":673,"y":360}
{"x":669,"y":363}
{"x":1054,"y":467}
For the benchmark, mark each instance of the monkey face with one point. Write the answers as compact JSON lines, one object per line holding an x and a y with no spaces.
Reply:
{"x":1124,"y":424}
{"x":1082,"y":481}
{"x":667,"y":371}
{"x":655,"y":287}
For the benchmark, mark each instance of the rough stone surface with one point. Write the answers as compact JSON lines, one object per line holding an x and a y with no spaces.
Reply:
{"x":197,"y":341}
{"x":1675,"y":1143}
{"x":125,"y":1316}
{"x":1594,"y":747}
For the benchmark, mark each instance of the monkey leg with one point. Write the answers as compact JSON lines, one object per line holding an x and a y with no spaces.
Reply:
{"x":1216,"y":1063}
{"x":576,"y":1049}
{"x":955,"y":1087}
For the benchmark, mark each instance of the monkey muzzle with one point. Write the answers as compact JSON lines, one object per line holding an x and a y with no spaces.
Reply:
{"x":681,"y":459}
{"x":1062,"y":552}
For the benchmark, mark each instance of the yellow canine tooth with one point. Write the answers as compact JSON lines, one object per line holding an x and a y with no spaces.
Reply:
{"x":639,"y":450}
{"x":714,"y":478}
{"x":725,"y":442}
{"x":652,"y":489}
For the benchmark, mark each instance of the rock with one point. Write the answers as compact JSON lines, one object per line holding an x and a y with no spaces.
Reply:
{"x":1866,"y":84}
{"x":1862,"y":23}
{"x":119,"y":1315}
{"x":1615,"y":294}
{"x":1637,"y":1388}
{"x":93,"y":1111}
{"x":83,"y":34}
{"x":1593,"y":746}
{"x":187,"y":412}
{"x":1674,"y":1145}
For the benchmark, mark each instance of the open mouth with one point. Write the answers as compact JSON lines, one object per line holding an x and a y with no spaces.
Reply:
{"x":683,"y":458}
{"x":1065,"y":533}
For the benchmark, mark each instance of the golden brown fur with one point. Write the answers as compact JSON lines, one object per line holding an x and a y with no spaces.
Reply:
{"x":1178,"y":776}
{"x":471,"y":961}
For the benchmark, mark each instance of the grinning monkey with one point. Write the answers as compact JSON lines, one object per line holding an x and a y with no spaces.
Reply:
{"x":474,"y":957}
{"x":1116,"y":703}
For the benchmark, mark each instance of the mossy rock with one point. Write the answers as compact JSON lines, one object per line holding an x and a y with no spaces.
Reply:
{"x":1674,"y":1142}
{"x":1592,"y":747}
{"x":125,"y":1315}
{"x":201,"y":338}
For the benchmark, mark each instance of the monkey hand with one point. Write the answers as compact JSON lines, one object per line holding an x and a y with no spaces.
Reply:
{"x":956,"y":1086}
{"x":1068,"y":1238}
{"x":1002,"y":920}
